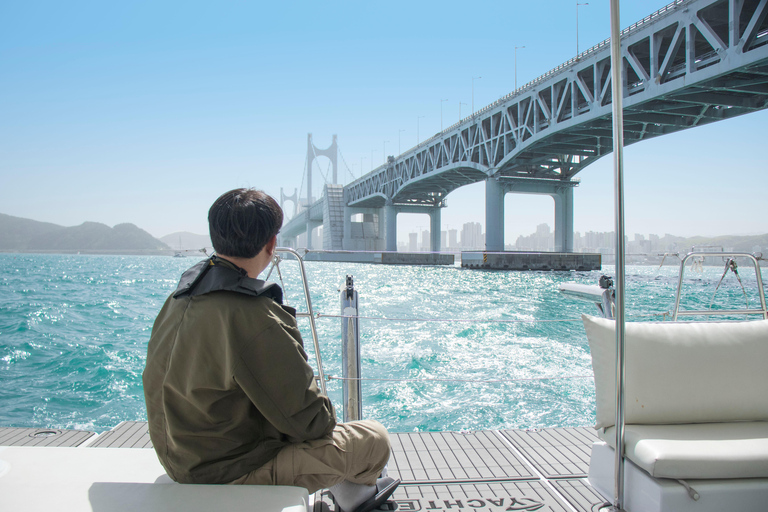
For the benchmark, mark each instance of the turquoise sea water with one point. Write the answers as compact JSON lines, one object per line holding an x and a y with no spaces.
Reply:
{"x":74,"y":332}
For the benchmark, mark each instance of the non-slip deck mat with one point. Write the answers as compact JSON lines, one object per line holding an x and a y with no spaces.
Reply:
{"x":427,"y":457}
{"x":128,"y":434}
{"x":556,"y":452}
{"x":482,"y":497}
{"x":10,"y":436}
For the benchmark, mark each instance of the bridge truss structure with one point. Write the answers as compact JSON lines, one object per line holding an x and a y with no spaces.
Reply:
{"x":691,"y":63}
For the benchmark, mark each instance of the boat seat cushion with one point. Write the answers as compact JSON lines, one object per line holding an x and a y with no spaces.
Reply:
{"x":697,"y":451}
{"x":694,"y":372}
{"x":41,"y":479}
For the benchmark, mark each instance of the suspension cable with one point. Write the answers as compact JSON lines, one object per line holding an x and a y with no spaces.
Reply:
{"x":347,"y":165}
{"x":325,"y":176}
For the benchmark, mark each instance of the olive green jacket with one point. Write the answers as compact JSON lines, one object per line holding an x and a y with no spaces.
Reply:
{"x":227,"y":384}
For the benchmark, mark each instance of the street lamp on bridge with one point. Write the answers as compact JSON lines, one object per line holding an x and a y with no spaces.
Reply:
{"x":577,"y":25}
{"x":517,"y":48}
{"x":441,"y":114}
{"x":473,"y":92}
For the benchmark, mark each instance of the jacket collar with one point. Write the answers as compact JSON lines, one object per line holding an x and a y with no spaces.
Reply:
{"x":217,"y":274}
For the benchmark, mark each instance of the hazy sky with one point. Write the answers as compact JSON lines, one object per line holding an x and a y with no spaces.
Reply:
{"x":145,"y":112}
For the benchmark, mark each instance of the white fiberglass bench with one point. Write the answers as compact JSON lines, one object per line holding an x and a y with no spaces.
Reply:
{"x":696,"y":414}
{"x":37,"y":479}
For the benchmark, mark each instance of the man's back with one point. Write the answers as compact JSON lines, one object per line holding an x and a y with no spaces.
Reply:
{"x":227,"y":385}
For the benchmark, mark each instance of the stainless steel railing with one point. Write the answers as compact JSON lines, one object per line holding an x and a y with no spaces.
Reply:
{"x":706,"y":312}
{"x":309,"y":314}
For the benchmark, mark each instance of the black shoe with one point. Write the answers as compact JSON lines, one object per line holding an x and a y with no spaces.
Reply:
{"x":384,"y":489}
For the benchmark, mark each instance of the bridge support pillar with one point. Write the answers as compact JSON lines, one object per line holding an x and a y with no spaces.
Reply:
{"x":561,"y":192}
{"x":563,"y":197}
{"x":494,"y":215}
{"x":309,"y":231}
{"x":347,"y":227}
{"x":390,"y":229}
{"x":434,"y":229}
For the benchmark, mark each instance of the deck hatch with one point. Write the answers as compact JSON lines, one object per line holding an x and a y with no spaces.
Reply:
{"x":11,"y":436}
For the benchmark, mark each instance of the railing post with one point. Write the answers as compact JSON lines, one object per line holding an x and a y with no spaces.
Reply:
{"x":350,"y":353}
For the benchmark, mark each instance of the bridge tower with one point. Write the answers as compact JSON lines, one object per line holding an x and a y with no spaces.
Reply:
{"x":331,"y":152}
{"x":294,"y":198}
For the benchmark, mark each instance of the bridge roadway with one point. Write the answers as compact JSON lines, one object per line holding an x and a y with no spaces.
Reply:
{"x":691,"y":63}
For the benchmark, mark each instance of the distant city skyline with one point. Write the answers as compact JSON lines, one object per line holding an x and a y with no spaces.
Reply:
{"x":145,"y":112}
{"x":542,"y":240}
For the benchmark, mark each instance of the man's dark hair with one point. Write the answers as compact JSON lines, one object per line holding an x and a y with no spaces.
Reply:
{"x":242,"y":221}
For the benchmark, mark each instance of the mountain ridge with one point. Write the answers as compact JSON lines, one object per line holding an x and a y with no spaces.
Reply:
{"x":18,"y":234}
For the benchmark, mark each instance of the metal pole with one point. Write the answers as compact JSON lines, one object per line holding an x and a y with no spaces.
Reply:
{"x":310,"y":315}
{"x":441,"y":114}
{"x":517,"y":48}
{"x":577,"y":25}
{"x":417,"y":128}
{"x":473,"y":92}
{"x":350,"y":353}
{"x":618,"y":165}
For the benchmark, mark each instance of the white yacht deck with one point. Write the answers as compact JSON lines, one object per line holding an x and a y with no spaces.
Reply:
{"x":493,"y":470}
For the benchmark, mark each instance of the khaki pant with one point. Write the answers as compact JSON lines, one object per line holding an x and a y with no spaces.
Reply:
{"x":356,"y":451}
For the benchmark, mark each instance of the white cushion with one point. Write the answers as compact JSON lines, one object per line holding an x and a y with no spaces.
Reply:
{"x":41,"y":479}
{"x":695,"y":372}
{"x":697,"y":451}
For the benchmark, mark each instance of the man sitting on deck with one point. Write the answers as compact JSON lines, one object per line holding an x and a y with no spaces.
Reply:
{"x":230,"y":396}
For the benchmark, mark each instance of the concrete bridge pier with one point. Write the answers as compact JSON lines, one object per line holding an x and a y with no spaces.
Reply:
{"x":561,"y":191}
{"x":390,"y":212}
{"x":434,"y":229}
{"x":390,"y":226}
{"x":368,"y":235}
{"x":494,"y":215}
{"x":311,"y":226}
{"x":308,"y":231}
{"x":563,"y":197}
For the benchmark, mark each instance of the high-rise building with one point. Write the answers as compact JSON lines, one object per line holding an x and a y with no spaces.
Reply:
{"x":452,"y":240}
{"x":472,"y":236}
